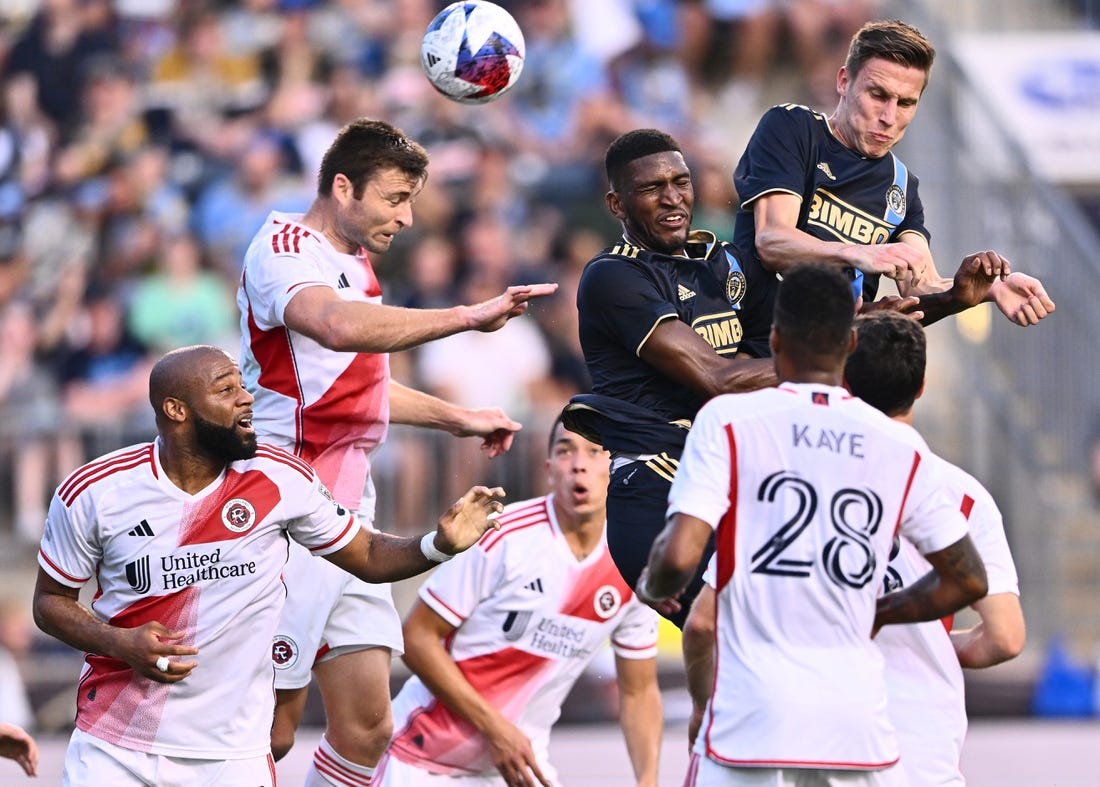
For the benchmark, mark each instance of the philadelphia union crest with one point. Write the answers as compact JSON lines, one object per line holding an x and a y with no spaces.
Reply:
{"x":735,"y":287}
{"x":895,"y":200}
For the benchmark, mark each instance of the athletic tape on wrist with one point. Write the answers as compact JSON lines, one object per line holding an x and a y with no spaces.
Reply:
{"x":427,"y":546}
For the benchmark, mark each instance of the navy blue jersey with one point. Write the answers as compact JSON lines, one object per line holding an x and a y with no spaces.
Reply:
{"x":624,"y":292}
{"x":845,"y":197}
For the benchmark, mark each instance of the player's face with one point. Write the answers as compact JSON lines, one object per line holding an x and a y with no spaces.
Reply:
{"x":222,"y":415}
{"x":655,"y":201}
{"x":877,"y":105}
{"x":579,"y":472}
{"x":381,"y":211}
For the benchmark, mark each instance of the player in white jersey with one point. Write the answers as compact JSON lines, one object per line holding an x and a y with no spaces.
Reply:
{"x":186,"y":538}
{"x":315,"y":338}
{"x":499,"y":637}
{"x":924,"y":661}
{"x":804,"y":487}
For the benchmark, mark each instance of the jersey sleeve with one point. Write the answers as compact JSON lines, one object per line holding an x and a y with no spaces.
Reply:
{"x":914,"y":212}
{"x":71,"y":548}
{"x":635,"y":636}
{"x":988,"y":532}
{"x":322,"y":525}
{"x":931,"y":518}
{"x":457,"y":587}
{"x":617,"y":299}
{"x":775,"y":158}
{"x":272,"y":284}
{"x":701,"y":486}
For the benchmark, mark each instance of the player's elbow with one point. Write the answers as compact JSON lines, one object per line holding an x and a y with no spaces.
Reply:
{"x":1007,"y":645}
{"x":972,"y":587}
{"x":770,"y":250}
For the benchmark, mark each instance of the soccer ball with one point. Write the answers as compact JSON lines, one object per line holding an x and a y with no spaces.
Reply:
{"x":472,"y":52}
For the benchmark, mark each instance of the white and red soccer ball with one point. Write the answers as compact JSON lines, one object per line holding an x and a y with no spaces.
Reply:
{"x":472,"y":52}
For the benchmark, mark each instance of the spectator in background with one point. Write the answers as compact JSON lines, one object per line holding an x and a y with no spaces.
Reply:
{"x":15,"y":644}
{"x":105,"y":372}
{"x":33,"y":438}
{"x":182,"y":302}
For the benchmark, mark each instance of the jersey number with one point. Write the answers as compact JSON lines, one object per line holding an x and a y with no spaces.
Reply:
{"x":847,"y":557}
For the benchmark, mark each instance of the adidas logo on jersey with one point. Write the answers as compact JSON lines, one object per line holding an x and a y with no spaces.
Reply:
{"x":685,"y":293}
{"x":824,"y":167}
{"x":141,"y":530}
{"x":535,"y":586}
{"x":342,"y":282}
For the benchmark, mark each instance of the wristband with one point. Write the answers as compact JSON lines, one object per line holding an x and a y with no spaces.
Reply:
{"x":427,"y":547}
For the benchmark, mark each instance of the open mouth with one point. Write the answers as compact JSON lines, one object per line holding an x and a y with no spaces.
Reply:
{"x":245,"y":422}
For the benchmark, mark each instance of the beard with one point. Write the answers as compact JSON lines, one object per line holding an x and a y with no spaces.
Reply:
{"x":223,"y":441}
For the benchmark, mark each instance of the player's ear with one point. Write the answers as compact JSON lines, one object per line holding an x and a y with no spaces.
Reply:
{"x":920,"y":391}
{"x":614,"y":204}
{"x":174,"y":409}
{"x":342,"y":189}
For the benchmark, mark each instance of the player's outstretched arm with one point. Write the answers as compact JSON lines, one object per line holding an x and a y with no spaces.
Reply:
{"x":698,"y":647}
{"x":416,"y":408}
{"x":640,"y":716}
{"x":781,"y":244}
{"x":59,"y":613}
{"x":999,"y":635}
{"x":425,"y":632}
{"x":354,"y":326}
{"x":374,"y":556}
{"x":957,"y":579}
{"x":680,"y":354}
{"x":973,"y":280}
{"x":16,"y":744}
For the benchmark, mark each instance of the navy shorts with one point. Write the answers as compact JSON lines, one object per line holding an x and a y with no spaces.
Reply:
{"x":637,"y":499}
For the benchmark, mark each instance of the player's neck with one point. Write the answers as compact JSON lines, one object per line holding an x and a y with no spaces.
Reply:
{"x":188,"y":469}
{"x":317,"y":218}
{"x":582,"y":533}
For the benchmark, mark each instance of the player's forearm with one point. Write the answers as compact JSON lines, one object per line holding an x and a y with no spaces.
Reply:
{"x":937,"y":305}
{"x":379,"y":328}
{"x":699,"y":666}
{"x":781,"y":247}
{"x":429,"y":660}
{"x":416,"y":408}
{"x":748,"y":374}
{"x":67,"y":620}
{"x":957,"y":580}
{"x":999,"y":635}
{"x":641,"y":722}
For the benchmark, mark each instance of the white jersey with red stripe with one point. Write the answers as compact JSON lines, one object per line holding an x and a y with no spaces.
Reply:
{"x":330,"y":408}
{"x":923,"y":675}
{"x":805,"y":487}
{"x":207,"y":564}
{"x":529,"y":616}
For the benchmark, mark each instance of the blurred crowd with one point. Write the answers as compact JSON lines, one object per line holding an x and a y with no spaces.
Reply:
{"x":142,"y":143}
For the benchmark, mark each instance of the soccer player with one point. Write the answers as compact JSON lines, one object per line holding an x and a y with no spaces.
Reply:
{"x":186,"y":538}
{"x":498,"y":638}
{"x":803,"y":487}
{"x":668,"y":318}
{"x":315,"y":344}
{"x":16,"y":744}
{"x":924,"y":661}
{"x":828,"y":190}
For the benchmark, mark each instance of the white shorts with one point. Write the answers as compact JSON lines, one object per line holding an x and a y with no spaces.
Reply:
{"x":93,"y":762}
{"x":703,"y":772}
{"x":392,"y":772}
{"x":328,"y":612}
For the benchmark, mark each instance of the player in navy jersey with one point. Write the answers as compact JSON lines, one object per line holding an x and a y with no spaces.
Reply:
{"x":669,"y":317}
{"x":829,"y":190}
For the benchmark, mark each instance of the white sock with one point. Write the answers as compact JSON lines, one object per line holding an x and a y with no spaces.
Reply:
{"x":329,"y":768}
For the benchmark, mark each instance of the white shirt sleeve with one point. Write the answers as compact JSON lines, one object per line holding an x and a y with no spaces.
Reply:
{"x":272,"y":285}
{"x":71,"y":547}
{"x":635,"y":636}
{"x":701,"y":487}
{"x":456,"y":588}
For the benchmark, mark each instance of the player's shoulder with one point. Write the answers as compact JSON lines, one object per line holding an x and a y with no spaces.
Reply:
{"x":277,"y":463}
{"x":793,"y":114}
{"x":108,"y":471}
{"x":964,"y":483}
{"x":519,"y":521}
{"x":283,"y":235}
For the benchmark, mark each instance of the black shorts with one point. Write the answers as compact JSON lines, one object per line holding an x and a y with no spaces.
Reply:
{"x":637,"y":499}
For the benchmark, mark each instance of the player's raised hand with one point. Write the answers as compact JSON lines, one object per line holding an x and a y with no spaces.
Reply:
{"x":1022,"y":299}
{"x":16,"y":744}
{"x":976,"y":274}
{"x":491,"y":315}
{"x":909,"y":306}
{"x":148,"y":649}
{"x":492,"y":425}
{"x":468,"y":519}
{"x":513,"y":756}
{"x":898,"y":261}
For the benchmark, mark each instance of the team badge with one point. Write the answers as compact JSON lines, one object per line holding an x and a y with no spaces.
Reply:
{"x":895,"y":200}
{"x":284,"y":652}
{"x":607,"y":601}
{"x":736,"y":284}
{"x":238,"y":515}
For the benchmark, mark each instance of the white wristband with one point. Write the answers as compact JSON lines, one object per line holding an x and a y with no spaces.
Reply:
{"x":427,"y":546}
